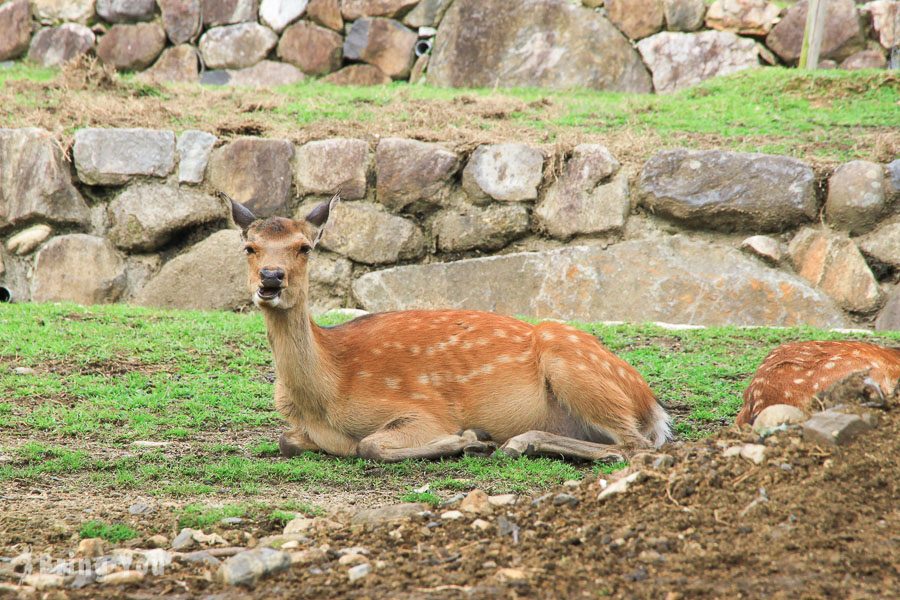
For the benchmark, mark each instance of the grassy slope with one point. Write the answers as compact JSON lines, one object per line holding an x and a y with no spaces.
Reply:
{"x":108,"y":376}
{"x":826,"y":116}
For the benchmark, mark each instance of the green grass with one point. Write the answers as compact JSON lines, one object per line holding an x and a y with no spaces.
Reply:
{"x":108,"y":376}
{"x":831,"y":115}
{"x":115,"y":533}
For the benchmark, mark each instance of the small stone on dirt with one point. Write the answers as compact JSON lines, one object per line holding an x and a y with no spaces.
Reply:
{"x":834,"y":428}
{"x":481,"y":525}
{"x":157,"y":541}
{"x":385,"y":514}
{"x":308,"y":557}
{"x":777,"y":415}
{"x":148,"y":444}
{"x":565,"y":500}
{"x":184,"y":540}
{"x":201,"y":557}
{"x":91,"y":547}
{"x":122,"y":578}
{"x":139,"y":508}
{"x":359,"y":571}
{"x":476,"y":502}
{"x":298,"y":525}
{"x":43,"y":581}
{"x":353,"y":559}
{"x":23,"y":371}
{"x":451,"y":515}
{"x":247,"y":567}
{"x":622,"y":485}
{"x":512,"y":575}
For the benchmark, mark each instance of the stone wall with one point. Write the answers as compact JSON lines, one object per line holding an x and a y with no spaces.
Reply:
{"x":702,"y":237}
{"x":626,"y":45}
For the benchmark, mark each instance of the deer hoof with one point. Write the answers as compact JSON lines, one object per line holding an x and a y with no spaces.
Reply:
{"x":479,"y":449}
{"x":287,"y":448}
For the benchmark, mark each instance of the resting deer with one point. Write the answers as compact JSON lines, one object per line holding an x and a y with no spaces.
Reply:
{"x":428,"y":384}
{"x":794,"y":373}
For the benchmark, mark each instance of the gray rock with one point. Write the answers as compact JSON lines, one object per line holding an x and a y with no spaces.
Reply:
{"x":329,"y":282}
{"x":227,"y":12}
{"x":684,"y":15}
{"x":388,"y":514}
{"x":255,"y":172}
{"x":680,"y":60}
{"x":328,"y":166}
{"x":200,"y":557}
{"x":124,"y":11}
{"x":856,"y":196}
{"x":278,"y":14}
{"x":359,"y":571}
{"x":705,"y":283}
{"x":132,"y":47}
{"x":194,"y":148}
{"x":533,"y":43}
{"x":834,"y":428}
{"x":767,"y":248}
{"x":728,"y":191}
{"x":54,"y":11}
{"x":636,"y":18}
{"x":565,"y":500}
{"x":842,"y":37}
{"x":177,"y":64}
{"x":181,"y":19}
{"x":266,"y":73}
{"x":427,"y":13}
{"x":236,"y":46}
{"x":54,"y":46}
{"x":34,"y":181}
{"x":357,"y":9}
{"x":384,"y":43}
{"x":488,"y":228}
{"x":78,"y":268}
{"x":584,"y":200}
{"x":211,"y":275}
{"x":409,"y":171}
{"x":249,"y":566}
{"x":509,"y":172}
{"x":140,"y":508}
{"x":865,"y":59}
{"x":893,"y":177}
{"x":622,"y":485}
{"x":184,"y":540}
{"x":883,"y":244}
{"x":362,"y":75}
{"x":832,"y":263}
{"x":215,"y":77}
{"x":115,"y":156}
{"x":43,"y":581}
{"x":365,"y":233}
{"x":15,"y":28}
{"x":885,"y":15}
{"x":28,"y":239}
{"x":889,"y":318}
{"x":747,"y":17}
{"x":315,"y":50}
{"x":147,"y":215}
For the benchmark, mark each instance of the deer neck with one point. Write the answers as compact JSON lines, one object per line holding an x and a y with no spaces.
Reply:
{"x":302,"y":362}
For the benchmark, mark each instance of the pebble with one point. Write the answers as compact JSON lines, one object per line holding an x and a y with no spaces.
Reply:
{"x":43,"y":581}
{"x":349,"y":560}
{"x":248,"y":566}
{"x":139,"y":508}
{"x":157,"y":541}
{"x":481,"y":525}
{"x":201,"y":557}
{"x":451,"y":515}
{"x":565,"y":500}
{"x":454,"y":499}
{"x":122,"y":578}
{"x":148,"y":444}
{"x":23,"y":371}
{"x":755,"y":453}
{"x":622,"y":485}
{"x":512,"y":575}
{"x":540,"y":499}
{"x":184,"y":540}
{"x":359,"y":571}
{"x":503,"y":500}
{"x":571,"y":483}
{"x":227,"y":521}
{"x":834,"y":428}
{"x":298,"y":525}
{"x":476,"y":502}
{"x":308,"y":557}
{"x":386,"y":514}
{"x":91,"y":547}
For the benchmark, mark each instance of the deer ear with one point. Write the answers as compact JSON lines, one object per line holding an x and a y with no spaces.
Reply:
{"x":242,"y":215}
{"x":319,"y":216}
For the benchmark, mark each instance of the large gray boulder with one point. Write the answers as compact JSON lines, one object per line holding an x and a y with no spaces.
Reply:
{"x":856,"y":196}
{"x":473,"y":227}
{"x":146,"y":216}
{"x":366,"y":233}
{"x":228,"y":12}
{"x":54,"y":46}
{"x":236,"y":46}
{"x":889,"y":318}
{"x":673,"y":279}
{"x":125,"y":11}
{"x":384,"y":43}
{"x":34,"y":181}
{"x":328,"y":166}
{"x":357,"y":9}
{"x":115,"y":156}
{"x":533,"y":43}
{"x":55,"y":11}
{"x":15,"y":28}
{"x":587,"y":198}
{"x":211,"y":275}
{"x":315,"y":50}
{"x":843,"y":35}
{"x":410,"y":171}
{"x":132,"y":47}
{"x":832,"y":262}
{"x":194,"y":148}
{"x":78,"y":268}
{"x":680,"y":60}
{"x":728,"y":191}
{"x":883,"y":244}
{"x":181,"y":19}
{"x":255,"y":172}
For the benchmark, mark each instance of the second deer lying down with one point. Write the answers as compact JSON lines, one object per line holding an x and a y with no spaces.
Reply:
{"x":427,"y":384}
{"x":794,"y":373}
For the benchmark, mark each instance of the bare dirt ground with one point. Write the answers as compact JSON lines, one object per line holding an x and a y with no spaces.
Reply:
{"x":810,"y":522}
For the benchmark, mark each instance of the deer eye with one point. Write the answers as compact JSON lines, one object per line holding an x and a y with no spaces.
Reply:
{"x":305,"y":249}
{"x":249,"y":250}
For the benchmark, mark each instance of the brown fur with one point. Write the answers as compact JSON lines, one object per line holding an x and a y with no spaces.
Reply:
{"x":794,"y":373}
{"x":412,"y":379}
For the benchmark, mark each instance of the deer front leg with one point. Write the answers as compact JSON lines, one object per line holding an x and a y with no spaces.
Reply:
{"x":414,"y":439}
{"x":294,"y":442}
{"x":541,"y":443}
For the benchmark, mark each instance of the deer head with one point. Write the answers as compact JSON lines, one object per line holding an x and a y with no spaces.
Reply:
{"x":278,"y":252}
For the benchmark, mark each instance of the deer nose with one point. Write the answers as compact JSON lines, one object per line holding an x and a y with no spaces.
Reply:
{"x":271,"y":277}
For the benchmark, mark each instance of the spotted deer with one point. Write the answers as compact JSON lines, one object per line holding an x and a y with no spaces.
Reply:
{"x":428,"y":384}
{"x":795,"y":373}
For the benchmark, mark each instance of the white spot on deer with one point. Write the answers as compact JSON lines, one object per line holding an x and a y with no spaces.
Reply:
{"x":414,"y":350}
{"x":547,"y":336}
{"x":429,"y":350}
{"x":761,"y":381}
{"x":487,"y":369}
{"x":363,"y":374}
{"x":595,"y":358}
{"x":810,"y":373}
{"x":423,"y":379}
{"x":454,"y":339}
{"x":500,"y":333}
{"x":417,"y":396}
{"x":796,"y":368}
{"x":524,"y":357}
{"x":856,"y":353}
{"x":787,"y":393}
{"x":799,"y":381}
{"x":376,"y":351}
{"x":581,"y":367}
{"x":481,"y":342}
{"x":466,"y":345}
{"x":462,"y":378}
{"x":392,"y":383}
{"x":829,"y":365}
{"x":757,"y":394}
{"x":621,"y":372}
{"x":816,"y":387}
{"x":519,"y":338}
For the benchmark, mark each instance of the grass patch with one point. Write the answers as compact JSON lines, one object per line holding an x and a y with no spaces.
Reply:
{"x":826,"y":115}
{"x":426,"y":497}
{"x":115,"y":533}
